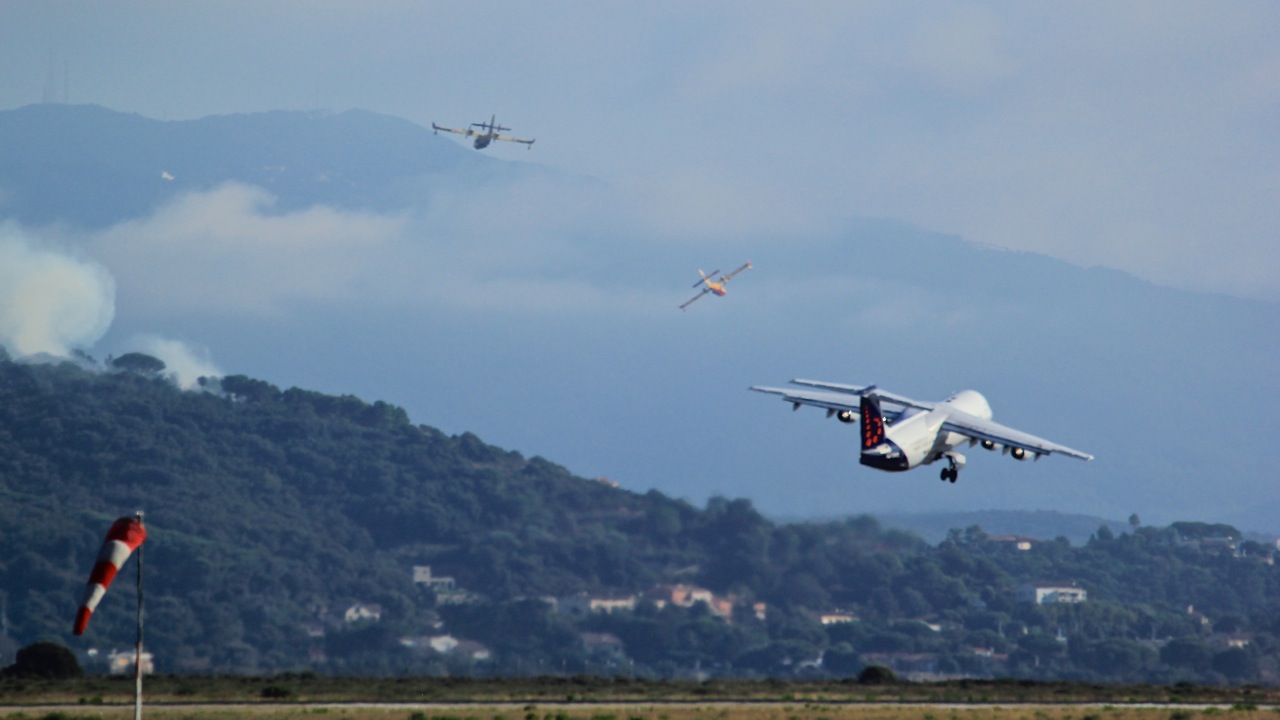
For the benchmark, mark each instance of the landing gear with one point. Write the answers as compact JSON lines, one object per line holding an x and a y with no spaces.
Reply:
{"x":952,"y":471}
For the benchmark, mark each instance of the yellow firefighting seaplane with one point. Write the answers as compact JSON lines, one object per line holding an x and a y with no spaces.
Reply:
{"x":709,"y":284}
{"x":484,"y":133}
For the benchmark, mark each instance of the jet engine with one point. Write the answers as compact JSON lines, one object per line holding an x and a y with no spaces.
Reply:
{"x":1018,"y":453}
{"x":988,"y":445}
{"x":847,"y":416}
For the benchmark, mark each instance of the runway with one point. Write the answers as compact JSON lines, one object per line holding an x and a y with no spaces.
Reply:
{"x":683,"y":710}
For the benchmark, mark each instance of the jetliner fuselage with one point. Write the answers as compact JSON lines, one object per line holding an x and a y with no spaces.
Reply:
{"x":915,"y":437}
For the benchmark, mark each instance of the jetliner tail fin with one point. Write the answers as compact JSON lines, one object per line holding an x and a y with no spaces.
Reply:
{"x":872,"y":422}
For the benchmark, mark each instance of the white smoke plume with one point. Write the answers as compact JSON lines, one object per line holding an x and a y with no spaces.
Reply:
{"x":183,"y":363}
{"x":50,"y":302}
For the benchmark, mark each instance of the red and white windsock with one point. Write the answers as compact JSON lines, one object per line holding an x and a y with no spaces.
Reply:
{"x":125,"y":536}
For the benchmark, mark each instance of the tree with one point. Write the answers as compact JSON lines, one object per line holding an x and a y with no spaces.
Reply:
{"x":877,"y":675}
{"x":1041,"y":646}
{"x":1201,"y":531}
{"x":1236,"y":663}
{"x":1186,"y":652}
{"x":139,"y":363}
{"x":249,"y":388}
{"x":842,"y":660}
{"x":778,"y":657}
{"x":45,"y":660}
{"x":1231,"y":623}
{"x":1112,"y":657}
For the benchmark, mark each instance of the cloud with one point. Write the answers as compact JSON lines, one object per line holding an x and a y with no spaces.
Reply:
{"x":224,"y":252}
{"x":50,"y":302}
{"x":535,"y":245}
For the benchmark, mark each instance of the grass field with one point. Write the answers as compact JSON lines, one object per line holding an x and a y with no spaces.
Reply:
{"x":296,"y":696}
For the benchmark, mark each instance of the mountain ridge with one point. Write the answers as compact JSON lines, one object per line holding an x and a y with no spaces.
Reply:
{"x":123,"y":165}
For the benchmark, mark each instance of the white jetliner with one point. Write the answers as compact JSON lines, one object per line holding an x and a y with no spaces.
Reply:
{"x":918,"y":433}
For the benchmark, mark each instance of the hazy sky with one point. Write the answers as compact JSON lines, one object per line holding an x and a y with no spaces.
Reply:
{"x":1143,"y":136}
{"x":540,"y":311}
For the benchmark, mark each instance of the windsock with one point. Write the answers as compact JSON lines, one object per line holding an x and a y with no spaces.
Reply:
{"x":125,"y":536}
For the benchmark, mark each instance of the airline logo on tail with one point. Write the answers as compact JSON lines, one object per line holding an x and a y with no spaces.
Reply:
{"x":872,"y":423}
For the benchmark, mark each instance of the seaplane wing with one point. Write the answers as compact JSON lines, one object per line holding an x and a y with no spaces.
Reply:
{"x":514,"y":140}
{"x":689,"y":302}
{"x":987,"y":431}
{"x":726,"y":278}
{"x":468,"y":132}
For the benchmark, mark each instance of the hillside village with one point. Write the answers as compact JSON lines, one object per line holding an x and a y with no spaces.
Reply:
{"x":988,"y":660}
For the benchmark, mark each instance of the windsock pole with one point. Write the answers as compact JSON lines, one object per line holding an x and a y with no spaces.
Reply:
{"x":137,"y":651}
{"x":125,"y":536}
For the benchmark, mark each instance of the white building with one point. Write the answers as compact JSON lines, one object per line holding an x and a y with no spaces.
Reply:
{"x":422,"y":576}
{"x":363,"y":611}
{"x":581,"y":605}
{"x":121,"y":663}
{"x":1049,"y":593}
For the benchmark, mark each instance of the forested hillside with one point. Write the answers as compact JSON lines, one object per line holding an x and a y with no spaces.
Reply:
{"x":273,"y":513}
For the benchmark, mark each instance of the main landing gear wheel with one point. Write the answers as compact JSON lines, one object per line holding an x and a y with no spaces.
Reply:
{"x":952,"y":470}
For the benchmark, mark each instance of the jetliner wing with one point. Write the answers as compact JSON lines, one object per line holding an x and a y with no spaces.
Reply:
{"x":963,"y":423}
{"x":835,"y":401}
{"x":828,"y":400}
{"x":860,"y":390}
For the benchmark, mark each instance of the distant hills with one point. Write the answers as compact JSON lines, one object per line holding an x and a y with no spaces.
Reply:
{"x":504,"y":266}
{"x":1040,"y":524}
{"x":96,"y":167}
